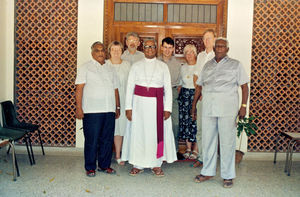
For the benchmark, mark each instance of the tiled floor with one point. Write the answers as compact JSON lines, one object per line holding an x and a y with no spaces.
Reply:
{"x":62,"y":174}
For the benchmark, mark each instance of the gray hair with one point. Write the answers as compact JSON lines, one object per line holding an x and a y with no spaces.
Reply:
{"x":96,"y":43}
{"x":224,"y":39}
{"x":149,"y":39}
{"x":132,"y":34}
{"x":190,"y":46}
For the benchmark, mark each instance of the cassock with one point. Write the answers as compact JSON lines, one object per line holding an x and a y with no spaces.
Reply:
{"x":140,"y":144}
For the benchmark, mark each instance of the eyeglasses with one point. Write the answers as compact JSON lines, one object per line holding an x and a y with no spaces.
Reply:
{"x":150,"y":47}
{"x":132,"y":40}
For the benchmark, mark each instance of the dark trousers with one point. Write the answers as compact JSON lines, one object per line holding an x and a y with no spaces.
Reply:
{"x":98,"y":129}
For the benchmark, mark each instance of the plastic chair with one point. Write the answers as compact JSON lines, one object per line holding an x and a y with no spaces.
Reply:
{"x":12,"y":135}
{"x":10,"y":120}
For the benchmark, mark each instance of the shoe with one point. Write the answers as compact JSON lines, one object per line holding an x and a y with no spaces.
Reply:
{"x":158,"y":172}
{"x":90,"y":173}
{"x":120,"y":162}
{"x":135,"y":171}
{"x":201,"y":178}
{"x":187,"y":153}
{"x":107,"y":170}
{"x":228,"y":183}
{"x":193,"y":155}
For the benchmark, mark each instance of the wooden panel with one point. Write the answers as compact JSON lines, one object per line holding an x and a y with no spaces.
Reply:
{"x":275,"y":72}
{"x":46,"y":59}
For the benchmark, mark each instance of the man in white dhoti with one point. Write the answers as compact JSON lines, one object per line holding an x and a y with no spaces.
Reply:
{"x":218,"y":83}
{"x":149,"y":139}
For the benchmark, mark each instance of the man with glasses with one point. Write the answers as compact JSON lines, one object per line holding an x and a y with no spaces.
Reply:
{"x":218,"y":84}
{"x":131,"y":54}
{"x":149,"y":139}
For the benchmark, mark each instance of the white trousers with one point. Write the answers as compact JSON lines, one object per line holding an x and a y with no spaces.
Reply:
{"x":226,"y":129}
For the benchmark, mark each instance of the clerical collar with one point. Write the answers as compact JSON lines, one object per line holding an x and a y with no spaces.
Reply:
{"x":150,"y":60}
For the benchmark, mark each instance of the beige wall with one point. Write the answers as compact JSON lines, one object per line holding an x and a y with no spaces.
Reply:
{"x":6,"y":49}
{"x":90,"y":29}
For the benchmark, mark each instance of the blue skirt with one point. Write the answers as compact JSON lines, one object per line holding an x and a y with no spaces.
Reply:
{"x":187,"y":127}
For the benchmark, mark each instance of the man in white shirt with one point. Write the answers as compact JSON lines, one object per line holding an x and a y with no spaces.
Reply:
{"x":97,"y":103}
{"x":149,"y":139}
{"x":131,"y":54}
{"x":202,"y":58}
{"x":218,"y":84}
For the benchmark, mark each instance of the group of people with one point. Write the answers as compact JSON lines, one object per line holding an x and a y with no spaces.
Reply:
{"x":144,"y":104}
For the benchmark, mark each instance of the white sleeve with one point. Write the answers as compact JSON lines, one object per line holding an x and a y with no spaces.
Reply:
{"x":130,"y":89}
{"x":167,"y":90}
{"x":81,"y":74}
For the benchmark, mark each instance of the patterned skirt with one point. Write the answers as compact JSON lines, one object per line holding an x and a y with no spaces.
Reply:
{"x":187,"y":127}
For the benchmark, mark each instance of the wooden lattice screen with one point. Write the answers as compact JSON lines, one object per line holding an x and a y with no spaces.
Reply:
{"x":275,"y":72}
{"x":46,"y":58}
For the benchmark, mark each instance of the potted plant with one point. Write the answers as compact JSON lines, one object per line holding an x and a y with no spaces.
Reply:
{"x":248,"y":126}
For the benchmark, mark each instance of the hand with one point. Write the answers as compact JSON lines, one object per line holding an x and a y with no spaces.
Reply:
{"x":167,"y":115}
{"x":79,"y":113}
{"x":129,"y":114}
{"x":242,"y":113}
{"x":194,"y":113}
{"x":118,"y":113}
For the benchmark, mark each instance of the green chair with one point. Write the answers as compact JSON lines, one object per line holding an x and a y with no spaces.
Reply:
{"x":10,"y":121}
{"x":12,"y":135}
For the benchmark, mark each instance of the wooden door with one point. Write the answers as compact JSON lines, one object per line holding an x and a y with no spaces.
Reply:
{"x":183,"y":20}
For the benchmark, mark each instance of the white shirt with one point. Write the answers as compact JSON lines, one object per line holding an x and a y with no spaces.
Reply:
{"x":150,"y":73}
{"x":132,"y":58}
{"x":99,"y":90}
{"x":187,"y":76}
{"x":202,"y":58}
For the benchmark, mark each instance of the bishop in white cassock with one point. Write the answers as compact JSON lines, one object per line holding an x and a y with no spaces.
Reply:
{"x":149,"y":139}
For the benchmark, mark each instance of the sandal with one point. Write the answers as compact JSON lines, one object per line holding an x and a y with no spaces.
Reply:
{"x":196,"y":164}
{"x":187,"y":153}
{"x":157,"y":171}
{"x":107,"y":170}
{"x":201,"y":178}
{"x":90,"y":173}
{"x":120,"y":162}
{"x":228,"y":183}
{"x":135,"y":171}
{"x":193,"y":155}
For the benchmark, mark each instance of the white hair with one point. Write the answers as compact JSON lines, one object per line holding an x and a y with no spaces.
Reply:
{"x":224,"y":39}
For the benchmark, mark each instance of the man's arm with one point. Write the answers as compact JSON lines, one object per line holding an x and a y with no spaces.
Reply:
{"x":78,"y":97}
{"x":117,"y":97}
{"x":197,"y":95}
{"x":242,"y":112}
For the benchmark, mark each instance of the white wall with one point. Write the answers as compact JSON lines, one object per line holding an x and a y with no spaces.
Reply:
{"x":90,"y":29}
{"x":6,"y":49}
{"x":239,"y":35}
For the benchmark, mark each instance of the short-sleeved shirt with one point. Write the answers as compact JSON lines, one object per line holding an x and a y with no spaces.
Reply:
{"x":99,"y":89}
{"x":202,"y":58}
{"x":137,"y":56}
{"x":220,"y":83}
{"x":187,"y":76}
{"x":174,"y":67}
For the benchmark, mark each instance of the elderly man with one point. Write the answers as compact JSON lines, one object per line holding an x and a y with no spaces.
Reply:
{"x":218,"y":84}
{"x":132,"y":55}
{"x":149,"y":139}
{"x":202,"y":58}
{"x":97,"y":103}
{"x":167,"y":48}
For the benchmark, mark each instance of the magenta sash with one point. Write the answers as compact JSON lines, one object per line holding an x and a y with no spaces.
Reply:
{"x":159,"y":94}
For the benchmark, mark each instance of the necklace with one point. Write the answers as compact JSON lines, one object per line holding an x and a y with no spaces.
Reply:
{"x":149,"y":81}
